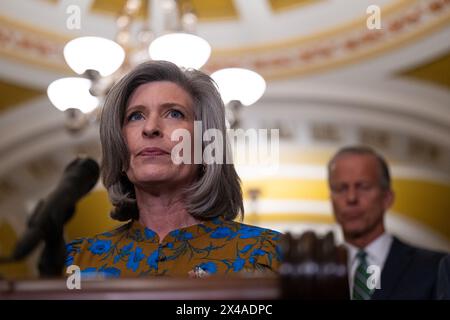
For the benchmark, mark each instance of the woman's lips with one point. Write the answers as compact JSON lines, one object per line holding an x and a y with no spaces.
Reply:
{"x":153,"y":151}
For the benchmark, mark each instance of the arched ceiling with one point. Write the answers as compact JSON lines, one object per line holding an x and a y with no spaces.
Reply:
{"x":281,"y":39}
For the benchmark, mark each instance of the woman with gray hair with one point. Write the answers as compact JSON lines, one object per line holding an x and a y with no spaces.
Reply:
{"x":181,"y":215}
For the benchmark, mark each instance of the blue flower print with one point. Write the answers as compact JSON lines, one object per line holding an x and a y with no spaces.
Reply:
{"x":69,"y":261}
{"x":249,"y":232}
{"x":186,"y":236}
{"x":69,"y":247}
{"x":205,"y":228}
{"x":170,"y":245}
{"x":110,"y":272}
{"x":278,"y":252}
{"x":72,"y":249}
{"x":149,"y":234}
{"x":215,"y":246}
{"x":238,"y":264}
{"x":256,"y":252}
{"x":181,"y":235}
{"x":127,"y":248}
{"x":246,"y":248}
{"x":100,"y":246}
{"x":125,"y":251}
{"x":89,"y":273}
{"x":276,"y":236}
{"x":152,"y":260}
{"x":135,"y":259}
{"x":222,"y":232}
{"x":209,"y":267}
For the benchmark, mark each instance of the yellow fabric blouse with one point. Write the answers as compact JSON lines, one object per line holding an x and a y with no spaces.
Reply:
{"x":216,"y":246}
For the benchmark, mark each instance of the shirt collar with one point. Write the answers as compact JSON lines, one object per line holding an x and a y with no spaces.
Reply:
{"x":138,"y":232}
{"x":377,"y":250}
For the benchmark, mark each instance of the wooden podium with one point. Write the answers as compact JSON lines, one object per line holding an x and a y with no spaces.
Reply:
{"x":145,"y":288}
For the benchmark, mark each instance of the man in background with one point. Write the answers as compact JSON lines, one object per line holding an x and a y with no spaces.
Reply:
{"x":361,"y":193}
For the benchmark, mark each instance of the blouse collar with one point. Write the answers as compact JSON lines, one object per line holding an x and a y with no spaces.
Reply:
{"x":138,"y":232}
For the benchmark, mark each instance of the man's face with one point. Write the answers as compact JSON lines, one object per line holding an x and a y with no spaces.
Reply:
{"x":359,"y":202}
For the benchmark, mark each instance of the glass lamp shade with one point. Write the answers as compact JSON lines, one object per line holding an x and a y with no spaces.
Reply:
{"x":94,"y":53}
{"x":239,"y":84}
{"x":184,"y":49}
{"x":74,"y":93}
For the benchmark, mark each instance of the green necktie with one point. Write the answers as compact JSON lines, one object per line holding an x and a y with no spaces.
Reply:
{"x":360,"y":289}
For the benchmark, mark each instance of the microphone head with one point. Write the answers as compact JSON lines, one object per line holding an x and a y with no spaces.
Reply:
{"x":82,"y":172}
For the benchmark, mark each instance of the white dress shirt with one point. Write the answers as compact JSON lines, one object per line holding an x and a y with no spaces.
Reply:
{"x":377,"y":252}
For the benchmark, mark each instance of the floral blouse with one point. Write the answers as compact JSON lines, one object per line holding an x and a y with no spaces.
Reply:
{"x":214,"y":247}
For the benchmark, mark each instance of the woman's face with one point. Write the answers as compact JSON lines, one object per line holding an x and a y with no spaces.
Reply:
{"x":154,"y":111}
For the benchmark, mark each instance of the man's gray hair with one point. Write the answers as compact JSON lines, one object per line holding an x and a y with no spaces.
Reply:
{"x":216,"y":192}
{"x":385,"y":176}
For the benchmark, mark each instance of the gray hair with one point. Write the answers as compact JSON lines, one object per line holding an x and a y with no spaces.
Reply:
{"x":216,"y":192}
{"x":385,"y":177}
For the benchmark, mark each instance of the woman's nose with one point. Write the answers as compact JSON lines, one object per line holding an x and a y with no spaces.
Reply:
{"x":152,"y":127}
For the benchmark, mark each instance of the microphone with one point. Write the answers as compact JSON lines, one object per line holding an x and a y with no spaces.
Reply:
{"x":50,"y":215}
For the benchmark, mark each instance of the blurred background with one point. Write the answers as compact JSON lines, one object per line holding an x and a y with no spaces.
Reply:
{"x":330,"y":81}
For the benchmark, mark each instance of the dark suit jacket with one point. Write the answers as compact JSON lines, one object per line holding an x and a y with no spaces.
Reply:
{"x":409,"y":273}
{"x":443,"y":281}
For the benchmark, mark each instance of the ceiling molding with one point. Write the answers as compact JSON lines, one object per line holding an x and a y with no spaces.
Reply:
{"x":404,"y":22}
{"x":352,"y":44}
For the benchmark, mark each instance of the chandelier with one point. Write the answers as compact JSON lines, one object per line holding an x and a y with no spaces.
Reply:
{"x":100,"y":62}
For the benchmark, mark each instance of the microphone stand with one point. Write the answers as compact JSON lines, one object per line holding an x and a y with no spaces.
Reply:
{"x":52,"y":258}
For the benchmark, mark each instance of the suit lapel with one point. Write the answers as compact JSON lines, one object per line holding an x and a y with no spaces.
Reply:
{"x":396,"y":262}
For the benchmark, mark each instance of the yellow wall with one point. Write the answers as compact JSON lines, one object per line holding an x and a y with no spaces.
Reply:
{"x":91,"y":216}
{"x":8,"y":239}
{"x":426,"y":202}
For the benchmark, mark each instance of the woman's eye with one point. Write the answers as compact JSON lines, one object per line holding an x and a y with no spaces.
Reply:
{"x":135,"y":116}
{"x":175,"y":114}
